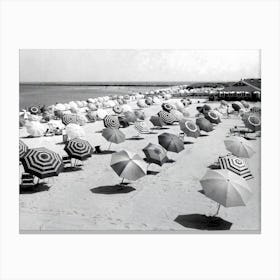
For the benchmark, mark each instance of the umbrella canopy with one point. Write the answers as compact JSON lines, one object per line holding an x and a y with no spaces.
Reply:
{"x":111,"y":121}
{"x":157,"y":121}
{"x":78,"y":149}
{"x":171,"y":142}
{"x":149,"y":101}
{"x":42,"y":163}
{"x":204,"y":124}
{"x":92,"y":116}
{"x":141,"y":127}
{"x":35,"y":129}
{"x":113,"y":135}
{"x":127,"y":108}
{"x":167,"y":117}
{"x":69,"y":118}
{"x":245,"y":104}
{"x":236,"y":165}
{"x":224,"y":103}
{"x":226,"y":188}
{"x":128,"y":165}
{"x":212,"y":117}
{"x":117,"y":109}
{"x":239,"y":147}
{"x":177,"y":114}
{"x":189,"y":128}
{"x":155,"y":154}
{"x":81,"y":119}
{"x":256,"y":109}
{"x":141,"y":103}
{"x":236,"y":105}
{"x":60,"y":107}
{"x":56,"y":124}
{"x":206,"y":108}
{"x":74,"y":131}
{"x":101,"y":113}
{"x":130,"y":117}
{"x":23,"y":148}
{"x":123,"y":122}
{"x":167,"y":107}
{"x":252,"y":122}
{"x":139,"y":114}
{"x":34,"y":110}
{"x":185,"y":112}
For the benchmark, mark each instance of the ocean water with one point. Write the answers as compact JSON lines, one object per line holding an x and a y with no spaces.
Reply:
{"x":51,"y":94}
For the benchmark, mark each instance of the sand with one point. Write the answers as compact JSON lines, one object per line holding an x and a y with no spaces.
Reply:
{"x":151,"y":203}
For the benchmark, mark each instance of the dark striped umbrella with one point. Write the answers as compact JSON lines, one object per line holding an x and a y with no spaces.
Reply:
{"x":212,"y":117}
{"x":111,"y":121}
{"x":171,"y":142}
{"x":189,"y":128}
{"x":252,"y":122}
{"x":155,"y":154}
{"x":123,"y":122}
{"x":117,"y":109}
{"x":34,"y":110}
{"x":78,"y":149}
{"x":113,"y":135}
{"x":42,"y":162}
{"x":69,"y":118}
{"x":157,"y":121}
{"x":167,"y":107}
{"x":204,"y":124}
{"x":167,"y":117}
{"x":139,"y":114}
{"x":23,"y":148}
{"x":236,"y":165}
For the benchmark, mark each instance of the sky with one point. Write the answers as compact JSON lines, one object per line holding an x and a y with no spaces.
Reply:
{"x":138,"y":65}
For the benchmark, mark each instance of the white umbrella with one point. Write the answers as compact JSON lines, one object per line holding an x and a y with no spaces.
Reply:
{"x":101,"y":113}
{"x":74,"y":131}
{"x":35,"y":129}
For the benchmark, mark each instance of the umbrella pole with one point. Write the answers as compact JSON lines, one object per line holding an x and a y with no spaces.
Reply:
{"x":122,"y":181}
{"x":148,"y":166}
{"x":218,"y":209}
{"x":109,"y":146}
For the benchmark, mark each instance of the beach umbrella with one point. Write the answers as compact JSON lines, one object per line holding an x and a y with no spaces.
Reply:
{"x":92,"y":106}
{"x":226,"y":188}
{"x":236,"y":165}
{"x":252,"y":122}
{"x":149,"y":101}
{"x":189,"y":128}
{"x":35,"y":129}
{"x":245,"y":104}
{"x":69,"y":118}
{"x":206,"y":108}
{"x":256,"y":109}
{"x":204,"y":124}
{"x":171,"y":142}
{"x":167,"y":107}
{"x":236,"y":105}
{"x":74,"y":131}
{"x":177,"y":114}
{"x":24,"y":114}
{"x":199,"y":109}
{"x":78,"y":149}
{"x":141,"y":103}
{"x":130,"y":117}
{"x":92,"y":116}
{"x":59,"y":107}
{"x":212,"y":116}
{"x":81,"y":119}
{"x":113,"y":135}
{"x":127,"y":108}
{"x":139,"y":114}
{"x":179,"y":105}
{"x":23,"y":148}
{"x":101,"y":113}
{"x":239,"y":146}
{"x":111,"y":121}
{"x":42,"y":162}
{"x":224,"y":103}
{"x":56,"y":124}
{"x":34,"y":110}
{"x":128,"y":165}
{"x":185,"y":112}
{"x":155,"y":154}
{"x":167,"y":117}
{"x":141,"y":127}
{"x":123,"y":122}
{"x":157,"y":121}
{"x":117,"y":109}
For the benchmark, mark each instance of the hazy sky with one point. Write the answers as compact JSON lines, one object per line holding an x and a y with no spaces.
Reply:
{"x":137,"y":65}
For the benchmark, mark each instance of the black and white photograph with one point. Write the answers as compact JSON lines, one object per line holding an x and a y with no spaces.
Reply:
{"x":139,"y":140}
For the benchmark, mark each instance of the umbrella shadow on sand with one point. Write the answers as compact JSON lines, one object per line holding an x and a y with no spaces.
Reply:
{"x":135,"y":138}
{"x":151,"y":172}
{"x":104,"y":152}
{"x":203,"y":222}
{"x":41,"y":187}
{"x":188,"y":142}
{"x":72,"y":169}
{"x":203,"y":135}
{"x":159,"y":128}
{"x":113,"y":189}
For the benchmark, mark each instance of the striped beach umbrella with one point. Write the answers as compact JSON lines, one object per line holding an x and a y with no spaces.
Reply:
{"x":23,"y":148}
{"x":252,"y":122}
{"x":239,"y":147}
{"x":42,"y":163}
{"x":155,"y":154}
{"x":78,"y":149}
{"x":117,"y":109}
{"x":167,"y":107}
{"x":171,"y":142}
{"x":157,"y":121}
{"x":212,"y":116}
{"x":236,"y":165}
{"x":128,"y":165}
{"x":204,"y":124}
{"x":167,"y":117}
{"x":141,"y":127}
{"x":189,"y":128}
{"x":69,"y":118}
{"x":34,"y":110}
{"x":226,"y":188}
{"x":111,"y":121}
{"x":113,"y":135}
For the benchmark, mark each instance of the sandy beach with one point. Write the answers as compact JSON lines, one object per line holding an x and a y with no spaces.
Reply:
{"x":151,"y":203}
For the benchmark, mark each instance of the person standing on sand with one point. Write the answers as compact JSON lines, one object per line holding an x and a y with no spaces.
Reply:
{"x":227,"y":111}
